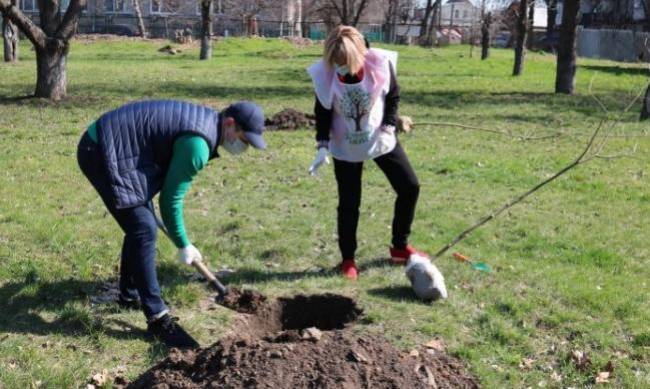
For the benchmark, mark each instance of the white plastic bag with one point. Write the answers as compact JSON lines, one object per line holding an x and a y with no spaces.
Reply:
{"x":426,"y":280}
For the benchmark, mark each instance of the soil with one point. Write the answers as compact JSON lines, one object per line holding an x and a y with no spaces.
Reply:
{"x":243,"y":301}
{"x":299,"y":41}
{"x":290,"y":119}
{"x":304,"y":342}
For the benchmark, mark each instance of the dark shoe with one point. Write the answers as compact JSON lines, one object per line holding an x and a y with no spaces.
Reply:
{"x":167,"y":331}
{"x":129,"y":304}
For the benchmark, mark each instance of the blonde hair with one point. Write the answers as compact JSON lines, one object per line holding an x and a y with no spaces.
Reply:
{"x":345,"y":45}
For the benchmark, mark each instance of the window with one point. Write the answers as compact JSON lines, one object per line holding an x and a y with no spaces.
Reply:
{"x":165,"y":6}
{"x":29,"y":5}
{"x":116,"y":6}
{"x":457,"y":14}
{"x":465,"y":14}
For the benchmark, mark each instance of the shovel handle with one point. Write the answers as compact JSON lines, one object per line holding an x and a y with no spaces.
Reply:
{"x":460,"y":257}
{"x":200,"y":266}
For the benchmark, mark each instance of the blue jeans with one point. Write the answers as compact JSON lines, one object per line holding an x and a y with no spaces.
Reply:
{"x":138,"y":265}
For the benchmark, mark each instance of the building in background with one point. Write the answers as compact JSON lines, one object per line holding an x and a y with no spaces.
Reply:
{"x":459,"y":13}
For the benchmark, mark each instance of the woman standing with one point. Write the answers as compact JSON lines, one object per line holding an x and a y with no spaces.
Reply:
{"x":357,"y":98}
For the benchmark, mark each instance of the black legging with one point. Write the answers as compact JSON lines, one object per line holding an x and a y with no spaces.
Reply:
{"x":399,"y":172}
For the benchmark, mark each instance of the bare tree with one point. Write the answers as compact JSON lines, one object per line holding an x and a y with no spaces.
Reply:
{"x":485,"y":35}
{"x":294,"y":16}
{"x":522,"y":32}
{"x":391,"y":17}
{"x":10,"y":37}
{"x":566,"y":53}
{"x":551,"y":15}
{"x":206,"y":30}
{"x":248,"y":10}
{"x":531,"y":25}
{"x":424,"y":23}
{"x":348,"y":11}
{"x":138,"y":15}
{"x":51,"y":41}
{"x":645,"y":110}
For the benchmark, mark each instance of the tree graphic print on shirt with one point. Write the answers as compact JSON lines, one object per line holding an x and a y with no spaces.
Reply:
{"x":355,"y":106}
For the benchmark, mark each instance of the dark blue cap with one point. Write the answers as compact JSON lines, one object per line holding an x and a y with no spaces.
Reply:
{"x":250,"y":117}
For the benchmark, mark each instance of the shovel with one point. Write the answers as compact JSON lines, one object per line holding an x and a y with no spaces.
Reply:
{"x":480,"y":266}
{"x":198,"y":265}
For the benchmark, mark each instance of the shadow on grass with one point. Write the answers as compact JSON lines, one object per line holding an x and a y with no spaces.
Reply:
{"x":617,"y":70}
{"x":397,"y":293}
{"x":27,"y":304}
{"x":473,"y":100}
{"x":243,"y":276}
{"x":71,"y":101}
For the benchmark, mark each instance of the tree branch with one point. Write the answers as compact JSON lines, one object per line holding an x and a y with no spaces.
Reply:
{"x":336,"y":8}
{"x":31,"y":30}
{"x":490,"y":130}
{"x":360,"y":10}
{"x":579,"y":160}
{"x":68,"y":25}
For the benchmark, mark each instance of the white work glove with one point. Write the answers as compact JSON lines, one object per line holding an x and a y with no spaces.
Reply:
{"x":426,"y":280}
{"x":321,"y":158}
{"x":189,"y":254}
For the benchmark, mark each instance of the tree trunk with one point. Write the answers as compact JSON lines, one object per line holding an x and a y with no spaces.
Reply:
{"x":485,"y":36}
{"x":531,"y":25}
{"x":551,"y":16}
{"x":206,"y":30}
{"x":138,"y":15}
{"x":566,"y":53}
{"x":51,"y":72}
{"x":520,"y":47}
{"x":645,"y":110}
{"x":297,"y":25}
{"x":432,"y":38}
{"x":50,"y":41}
{"x":424,"y":24}
{"x":10,"y":38}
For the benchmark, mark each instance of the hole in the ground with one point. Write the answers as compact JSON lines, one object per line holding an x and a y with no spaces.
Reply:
{"x":325,"y":312}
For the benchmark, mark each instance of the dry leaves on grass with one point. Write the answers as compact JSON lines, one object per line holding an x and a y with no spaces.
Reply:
{"x":556,"y":377}
{"x":436,"y":344}
{"x":99,"y":379}
{"x":602,"y":377}
{"x":580,"y":360}
{"x":526,"y":363}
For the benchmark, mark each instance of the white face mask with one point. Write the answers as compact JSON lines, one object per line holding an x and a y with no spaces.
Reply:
{"x":343,"y":70}
{"x":235,"y":147}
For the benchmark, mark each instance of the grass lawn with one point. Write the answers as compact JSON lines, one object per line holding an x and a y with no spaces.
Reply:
{"x":571,"y":263}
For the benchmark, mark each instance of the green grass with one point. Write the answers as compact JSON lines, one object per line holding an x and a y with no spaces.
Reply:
{"x":571,"y":263}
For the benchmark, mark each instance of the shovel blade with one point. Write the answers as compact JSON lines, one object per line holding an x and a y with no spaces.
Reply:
{"x":482,"y":267}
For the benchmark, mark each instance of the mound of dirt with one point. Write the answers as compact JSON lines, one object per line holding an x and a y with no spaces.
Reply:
{"x":299,"y":41}
{"x":305,"y":342}
{"x":243,"y":301}
{"x":169,"y":49}
{"x":290,"y":119}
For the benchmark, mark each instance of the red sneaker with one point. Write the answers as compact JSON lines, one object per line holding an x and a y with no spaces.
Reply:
{"x":349,"y":269}
{"x":399,"y":257}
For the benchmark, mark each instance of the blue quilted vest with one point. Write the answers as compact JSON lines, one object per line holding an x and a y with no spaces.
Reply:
{"x":137,"y":140}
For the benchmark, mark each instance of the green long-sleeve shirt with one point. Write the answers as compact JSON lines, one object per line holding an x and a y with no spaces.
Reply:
{"x":190,"y":154}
